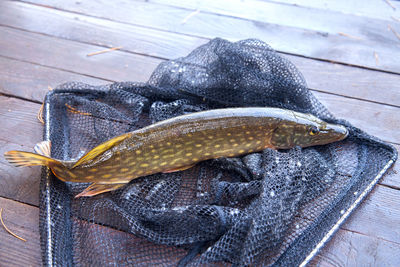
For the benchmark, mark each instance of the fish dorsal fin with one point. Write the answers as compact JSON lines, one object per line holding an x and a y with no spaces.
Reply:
{"x":43,"y":148}
{"x":101,"y":149}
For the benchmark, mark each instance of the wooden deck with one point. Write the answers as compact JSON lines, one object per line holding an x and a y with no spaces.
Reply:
{"x":348,"y":51}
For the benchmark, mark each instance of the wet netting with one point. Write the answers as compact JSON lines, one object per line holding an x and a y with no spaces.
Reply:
{"x":265,"y":208}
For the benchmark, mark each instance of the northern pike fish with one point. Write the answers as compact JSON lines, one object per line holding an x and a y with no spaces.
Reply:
{"x":179,"y":143}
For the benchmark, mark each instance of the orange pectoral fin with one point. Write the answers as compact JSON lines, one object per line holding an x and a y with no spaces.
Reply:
{"x":95,"y":189}
{"x":179,"y":169}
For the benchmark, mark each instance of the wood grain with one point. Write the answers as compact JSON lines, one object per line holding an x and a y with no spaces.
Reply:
{"x":357,"y":112}
{"x":23,"y":220}
{"x":86,"y":29}
{"x":392,"y":178}
{"x":377,"y":214}
{"x":376,"y":119}
{"x":299,"y":16}
{"x":349,"y":81}
{"x":354,"y":249}
{"x":32,"y":81}
{"x":314,"y":42}
{"x":345,"y":249}
{"x":20,"y":184}
{"x":47,"y":45}
{"x":20,"y":131}
{"x":69,"y":55}
{"x":378,"y":9}
{"x":320,"y":75}
{"x":19,"y":121}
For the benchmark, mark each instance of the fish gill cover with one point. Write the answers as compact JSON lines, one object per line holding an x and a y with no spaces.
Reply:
{"x":265,"y":208}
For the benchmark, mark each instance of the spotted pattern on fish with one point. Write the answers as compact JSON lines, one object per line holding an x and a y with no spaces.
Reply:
{"x":181,"y":142}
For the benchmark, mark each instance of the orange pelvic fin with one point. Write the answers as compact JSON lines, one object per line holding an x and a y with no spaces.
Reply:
{"x":179,"y":169}
{"x":95,"y":189}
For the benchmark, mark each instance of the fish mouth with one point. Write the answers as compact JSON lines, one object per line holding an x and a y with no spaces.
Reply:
{"x":338,"y":132}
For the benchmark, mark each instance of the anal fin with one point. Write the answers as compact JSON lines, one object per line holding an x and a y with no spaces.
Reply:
{"x":179,"y":169}
{"x":95,"y":189}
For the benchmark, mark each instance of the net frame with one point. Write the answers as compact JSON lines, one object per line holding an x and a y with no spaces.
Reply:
{"x":49,"y":184}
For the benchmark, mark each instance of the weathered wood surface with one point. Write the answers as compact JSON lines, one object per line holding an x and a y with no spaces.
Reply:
{"x":32,"y":81}
{"x":354,"y":249}
{"x":20,"y":131}
{"x":318,"y":37}
{"x":72,"y":56}
{"x":22,"y":220}
{"x":331,"y":78}
{"x":356,"y":111}
{"x":97,"y":31}
{"x":43,"y":46}
{"x":379,"y":9}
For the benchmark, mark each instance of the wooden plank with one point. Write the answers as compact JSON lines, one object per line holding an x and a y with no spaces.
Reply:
{"x":315,"y":42}
{"x":20,"y":184}
{"x":392,"y":178}
{"x":354,"y":249}
{"x":23,"y":220}
{"x":345,"y":249}
{"x":321,"y":75}
{"x":96,"y":31}
{"x":330,"y":19}
{"x":20,"y":131}
{"x":372,"y":247}
{"x":376,"y":119}
{"x":385,"y":119}
{"x":18,"y":118}
{"x":72,"y":56}
{"x":377,"y":215}
{"x":349,"y":81}
{"x":378,"y":9}
{"x":31,"y":81}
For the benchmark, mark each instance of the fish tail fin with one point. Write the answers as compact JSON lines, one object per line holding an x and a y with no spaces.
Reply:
{"x":22,"y":158}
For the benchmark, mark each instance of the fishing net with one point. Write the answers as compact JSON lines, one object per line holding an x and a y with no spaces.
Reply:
{"x":265,"y":208}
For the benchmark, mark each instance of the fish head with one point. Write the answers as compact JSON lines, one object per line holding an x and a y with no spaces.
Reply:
{"x":306,"y":130}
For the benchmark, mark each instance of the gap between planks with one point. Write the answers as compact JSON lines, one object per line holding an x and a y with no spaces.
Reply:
{"x":165,"y":49}
{"x":57,"y":68}
{"x":147,"y":56}
{"x":72,"y":9}
{"x":352,"y":94}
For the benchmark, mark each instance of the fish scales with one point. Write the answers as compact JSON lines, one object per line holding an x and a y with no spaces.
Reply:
{"x":164,"y":149}
{"x":181,"y":142}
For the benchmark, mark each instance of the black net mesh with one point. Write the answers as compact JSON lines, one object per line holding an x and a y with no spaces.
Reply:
{"x":265,"y":208}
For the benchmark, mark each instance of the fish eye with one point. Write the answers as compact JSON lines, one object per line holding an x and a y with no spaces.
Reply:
{"x":314,"y":131}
